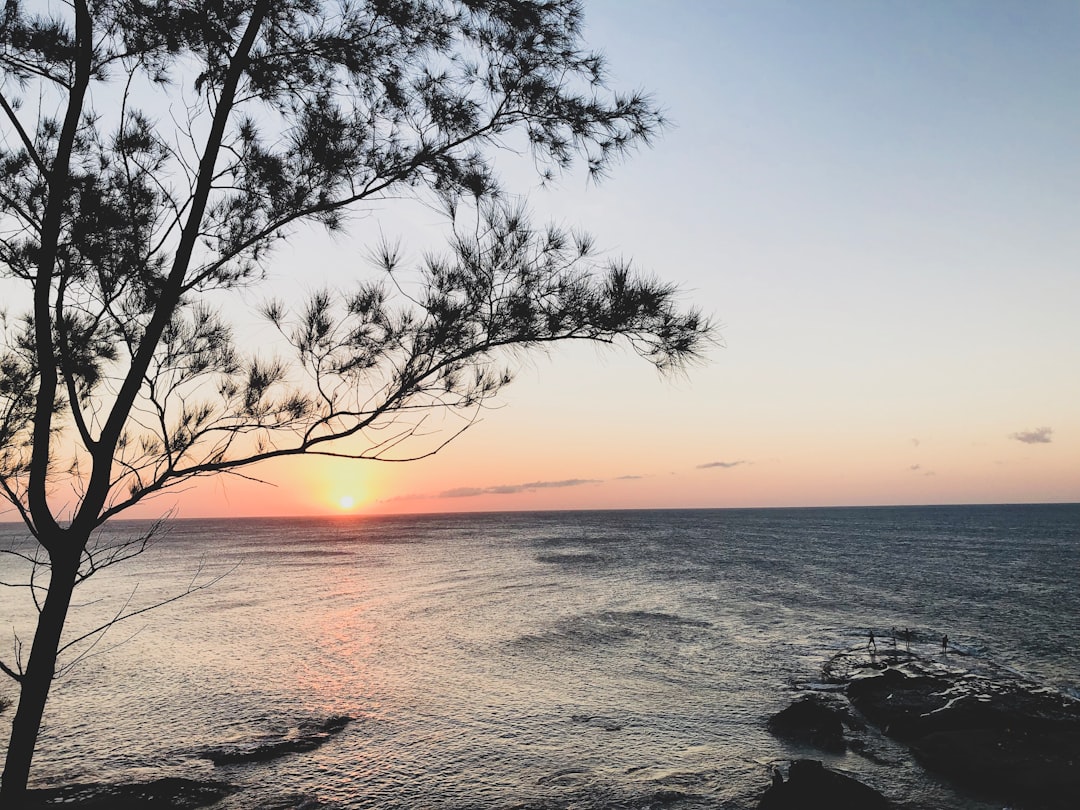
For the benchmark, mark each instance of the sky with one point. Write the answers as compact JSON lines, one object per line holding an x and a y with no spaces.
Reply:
{"x":878,"y":202}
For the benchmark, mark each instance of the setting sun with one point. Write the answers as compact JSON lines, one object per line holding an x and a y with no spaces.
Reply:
{"x":346,"y":501}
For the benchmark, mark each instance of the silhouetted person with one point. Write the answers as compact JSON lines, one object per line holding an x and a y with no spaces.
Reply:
{"x":945,"y":643}
{"x":871,"y":644}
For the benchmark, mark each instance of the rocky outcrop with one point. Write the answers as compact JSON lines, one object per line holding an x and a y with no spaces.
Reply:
{"x":1031,"y":770}
{"x":993,"y":733}
{"x":811,"y":721}
{"x":997,"y":735}
{"x":895,"y":701}
{"x":811,"y":785}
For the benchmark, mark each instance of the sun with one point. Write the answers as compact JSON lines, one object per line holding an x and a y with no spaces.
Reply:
{"x":346,"y":501}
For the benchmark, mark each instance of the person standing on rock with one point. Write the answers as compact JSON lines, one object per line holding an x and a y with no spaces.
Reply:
{"x":945,"y":644}
{"x":871,"y":645}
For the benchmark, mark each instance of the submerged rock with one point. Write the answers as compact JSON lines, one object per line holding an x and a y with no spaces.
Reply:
{"x":666,"y":796}
{"x":171,"y":793}
{"x":811,"y":785}
{"x":307,"y":736}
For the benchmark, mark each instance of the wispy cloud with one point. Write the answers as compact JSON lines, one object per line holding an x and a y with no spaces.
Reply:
{"x":1037,"y":436}
{"x":726,"y":465}
{"x":505,"y":489}
{"x":511,"y":489}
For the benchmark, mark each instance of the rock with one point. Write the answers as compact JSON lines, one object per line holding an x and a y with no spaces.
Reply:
{"x":810,"y":721}
{"x":1038,"y":769}
{"x":308,"y":736}
{"x":998,"y":735}
{"x":895,"y":701}
{"x":811,"y":785}
{"x":179,"y":794}
{"x":664,"y":797}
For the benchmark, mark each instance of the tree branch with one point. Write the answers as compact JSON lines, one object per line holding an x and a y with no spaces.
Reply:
{"x":15,"y":676}
{"x":24,"y":137}
{"x":97,"y":490}
{"x":122,"y":617}
{"x":59,"y":185}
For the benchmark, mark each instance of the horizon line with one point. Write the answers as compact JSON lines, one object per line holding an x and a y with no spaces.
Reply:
{"x":342,"y":515}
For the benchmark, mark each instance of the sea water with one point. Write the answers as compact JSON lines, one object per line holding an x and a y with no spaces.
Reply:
{"x":617,"y":659}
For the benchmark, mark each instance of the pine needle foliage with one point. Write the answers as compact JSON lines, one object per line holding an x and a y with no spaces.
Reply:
{"x":154,"y":153}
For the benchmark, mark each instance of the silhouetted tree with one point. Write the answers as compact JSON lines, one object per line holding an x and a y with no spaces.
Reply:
{"x":154,"y":152}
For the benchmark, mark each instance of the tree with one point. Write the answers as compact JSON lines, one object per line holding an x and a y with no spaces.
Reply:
{"x":125,"y":218}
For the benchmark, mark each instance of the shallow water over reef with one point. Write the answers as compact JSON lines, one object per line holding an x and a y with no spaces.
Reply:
{"x":537,"y":660}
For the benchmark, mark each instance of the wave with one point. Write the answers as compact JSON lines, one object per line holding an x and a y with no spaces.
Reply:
{"x":611,"y":627}
{"x":572,"y":558}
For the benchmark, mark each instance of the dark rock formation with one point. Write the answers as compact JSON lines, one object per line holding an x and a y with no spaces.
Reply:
{"x":308,"y":736}
{"x":811,"y":785}
{"x":810,"y":721}
{"x":894,"y":701}
{"x":997,"y":735}
{"x":175,"y":794}
{"x":1031,"y":770}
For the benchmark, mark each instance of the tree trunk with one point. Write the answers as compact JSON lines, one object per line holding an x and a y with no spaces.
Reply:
{"x":36,"y":681}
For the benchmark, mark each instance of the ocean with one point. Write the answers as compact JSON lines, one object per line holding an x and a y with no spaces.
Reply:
{"x":586,"y":660}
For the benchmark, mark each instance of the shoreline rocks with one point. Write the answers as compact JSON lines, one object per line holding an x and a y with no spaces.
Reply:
{"x":187,"y":794}
{"x":811,"y":784}
{"x":994,"y":735}
{"x":1003,"y":737}
{"x":810,"y":721}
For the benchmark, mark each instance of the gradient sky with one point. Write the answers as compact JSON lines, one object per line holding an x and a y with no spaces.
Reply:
{"x":879,"y":202}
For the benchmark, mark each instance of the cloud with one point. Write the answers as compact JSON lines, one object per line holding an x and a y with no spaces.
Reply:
{"x":511,"y":489}
{"x":1037,"y":436}
{"x":502,"y":489}
{"x":915,"y":442}
{"x":726,"y":465}
{"x":915,"y":467}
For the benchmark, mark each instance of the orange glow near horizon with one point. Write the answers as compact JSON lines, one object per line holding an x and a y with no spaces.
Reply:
{"x":510,"y":463}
